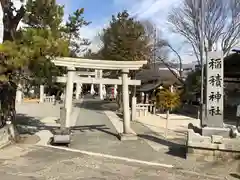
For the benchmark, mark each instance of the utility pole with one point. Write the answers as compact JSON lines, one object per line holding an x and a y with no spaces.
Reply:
{"x":154,"y":46}
{"x":202,"y":39}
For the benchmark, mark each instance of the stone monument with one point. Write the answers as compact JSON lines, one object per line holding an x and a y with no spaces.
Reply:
{"x":213,"y":141}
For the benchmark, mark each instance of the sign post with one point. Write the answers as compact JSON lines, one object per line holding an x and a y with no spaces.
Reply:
{"x":215,"y":90}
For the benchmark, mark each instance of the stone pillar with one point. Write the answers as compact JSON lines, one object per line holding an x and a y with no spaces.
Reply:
{"x":142,"y":97}
{"x":100,"y":86}
{"x":171,"y":88}
{"x":134,"y":103}
{"x":126,"y":113}
{"x":92,"y":91}
{"x":104,"y":91}
{"x":19,"y":94}
{"x":78,"y":90}
{"x":41,"y":93}
{"x":69,"y":95}
{"x":147,"y":98}
{"x":115,"y":91}
{"x":214,"y":109}
{"x":63,"y":96}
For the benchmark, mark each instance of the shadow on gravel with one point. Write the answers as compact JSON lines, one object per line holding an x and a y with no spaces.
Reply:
{"x":98,"y":105}
{"x":235,"y":175}
{"x":101,"y":127}
{"x":31,"y":125}
{"x":174,"y":148}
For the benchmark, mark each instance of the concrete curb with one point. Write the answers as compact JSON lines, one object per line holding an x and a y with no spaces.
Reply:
{"x":3,"y":145}
{"x":116,"y":122}
{"x":75,"y":113}
{"x":111,"y":156}
{"x":45,"y":137}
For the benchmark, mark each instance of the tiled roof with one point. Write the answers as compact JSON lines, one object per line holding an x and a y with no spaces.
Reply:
{"x":162,"y":74}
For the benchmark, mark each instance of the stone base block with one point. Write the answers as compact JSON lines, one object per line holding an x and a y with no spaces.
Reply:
{"x":209,"y":131}
{"x":4,"y":137}
{"x":61,"y":139}
{"x":210,"y":155}
{"x":128,"y":137}
{"x":61,"y":136}
{"x":211,"y":148}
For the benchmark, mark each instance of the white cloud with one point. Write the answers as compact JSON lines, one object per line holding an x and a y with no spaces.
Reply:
{"x":91,"y":33}
{"x":156,"y":11}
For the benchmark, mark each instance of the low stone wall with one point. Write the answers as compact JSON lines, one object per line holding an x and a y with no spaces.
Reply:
{"x":198,"y":154}
{"x":4,"y":137}
{"x":212,"y":148}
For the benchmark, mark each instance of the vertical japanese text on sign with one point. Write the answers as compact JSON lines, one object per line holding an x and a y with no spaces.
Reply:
{"x":215,"y":78}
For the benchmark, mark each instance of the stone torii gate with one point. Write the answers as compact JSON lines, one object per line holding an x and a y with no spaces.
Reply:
{"x":79,"y":84}
{"x":124,"y":66}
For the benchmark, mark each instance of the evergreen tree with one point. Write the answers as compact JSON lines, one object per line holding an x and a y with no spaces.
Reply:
{"x":26,"y":53}
{"x":125,"y":39}
{"x":77,"y":43}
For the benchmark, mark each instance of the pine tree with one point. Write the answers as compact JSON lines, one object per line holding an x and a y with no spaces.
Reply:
{"x":26,"y":53}
{"x":77,"y":43}
{"x":125,"y":39}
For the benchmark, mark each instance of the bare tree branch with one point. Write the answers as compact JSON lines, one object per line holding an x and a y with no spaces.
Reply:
{"x":171,"y":70}
{"x":160,"y":49}
{"x":179,"y":60}
{"x":157,"y":44}
{"x":222,"y":23}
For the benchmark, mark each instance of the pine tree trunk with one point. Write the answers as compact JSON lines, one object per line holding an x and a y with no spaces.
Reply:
{"x":12,"y":112}
{"x":9,"y":31}
{"x":8,"y":97}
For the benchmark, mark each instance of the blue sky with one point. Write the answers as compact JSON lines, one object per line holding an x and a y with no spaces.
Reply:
{"x":99,"y":12}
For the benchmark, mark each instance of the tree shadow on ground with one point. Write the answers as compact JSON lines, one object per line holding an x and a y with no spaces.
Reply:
{"x":188,"y":110}
{"x":192,"y":111}
{"x":235,"y":175}
{"x":175,"y":149}
{"x":120,"y":115}
{"x":98,"y":105}
{"x":102,"y":128}
{"x":30,"y":125}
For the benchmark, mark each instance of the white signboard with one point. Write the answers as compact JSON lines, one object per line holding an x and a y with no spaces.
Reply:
{"x":215,"y":92}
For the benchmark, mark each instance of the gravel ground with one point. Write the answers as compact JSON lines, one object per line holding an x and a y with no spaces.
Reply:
{"x":29,"y":162}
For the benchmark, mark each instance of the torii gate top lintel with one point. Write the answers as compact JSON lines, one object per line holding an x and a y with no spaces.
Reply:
{"x":97,"y":64}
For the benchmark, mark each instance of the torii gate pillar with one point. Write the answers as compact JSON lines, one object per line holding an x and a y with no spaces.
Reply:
{"x":100,"y":86}
{"x":69,"y":95}
{"x":125,"y":100}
